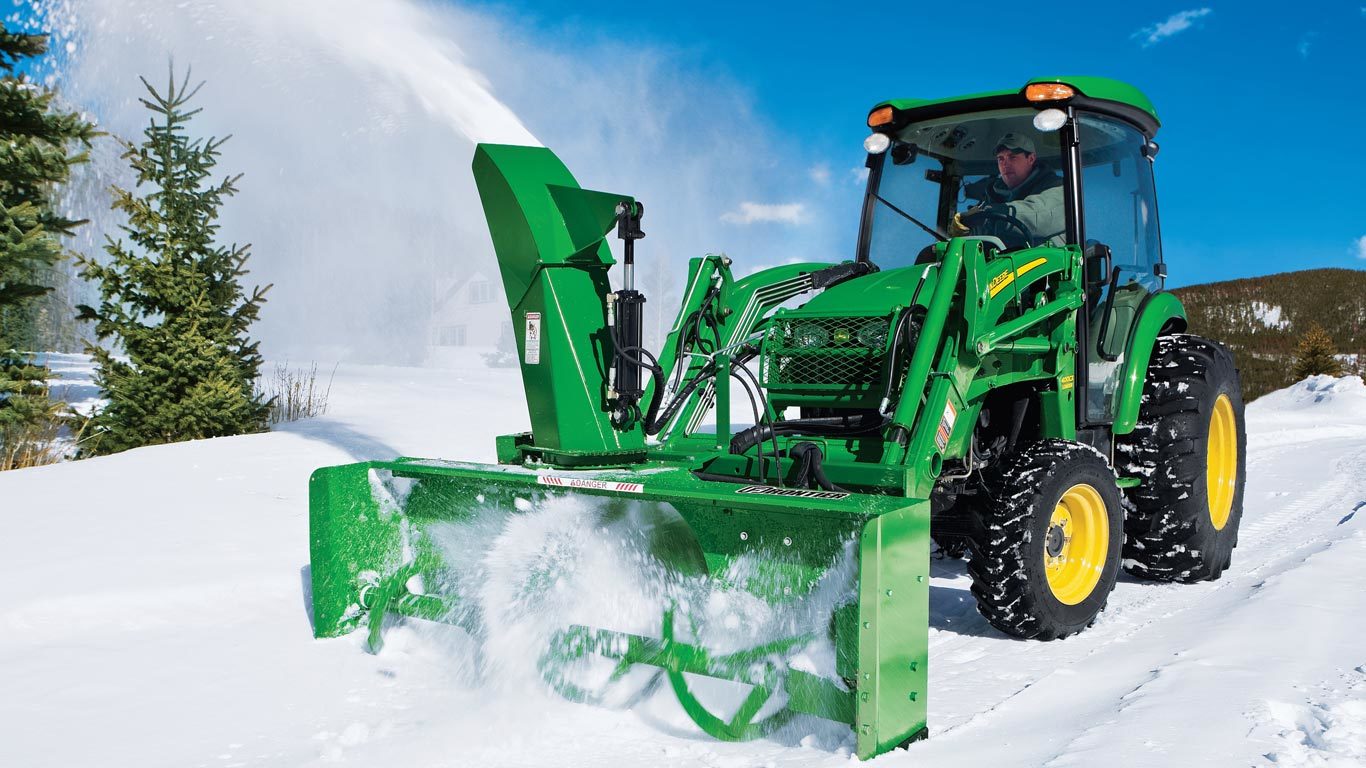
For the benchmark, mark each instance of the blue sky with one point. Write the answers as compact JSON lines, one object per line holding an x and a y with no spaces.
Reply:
{"x":1263,"y":167}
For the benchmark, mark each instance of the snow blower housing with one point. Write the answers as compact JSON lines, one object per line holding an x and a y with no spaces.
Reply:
{"x":995,"y":388}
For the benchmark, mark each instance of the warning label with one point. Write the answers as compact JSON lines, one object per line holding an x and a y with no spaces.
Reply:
{"x":583,"y":482}
{"x":533,"y":338}
{"x":945,"y":431}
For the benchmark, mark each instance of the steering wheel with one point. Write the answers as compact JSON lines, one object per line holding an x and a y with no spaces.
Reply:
{"x":1010,"y":221}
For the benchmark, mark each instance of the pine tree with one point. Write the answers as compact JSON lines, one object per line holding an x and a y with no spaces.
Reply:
{"x":171,"y":297}
{"x":35,"y":156}
{"x":1315,"y":354}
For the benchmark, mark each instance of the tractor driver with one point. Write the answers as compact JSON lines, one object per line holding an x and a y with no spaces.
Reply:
{"x":1022,"y":204}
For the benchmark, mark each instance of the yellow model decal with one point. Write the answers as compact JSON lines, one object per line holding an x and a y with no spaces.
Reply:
{"x":999,"y":282}
{"x":1019,"y":272}
{"x":1067,"y":381}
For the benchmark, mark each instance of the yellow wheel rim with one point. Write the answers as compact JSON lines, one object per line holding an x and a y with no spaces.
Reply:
{"x":1221,"y":471}
{"x":1076,"y":544}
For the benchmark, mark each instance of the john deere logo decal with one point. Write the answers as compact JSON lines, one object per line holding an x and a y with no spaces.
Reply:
{"x":768,"y":490}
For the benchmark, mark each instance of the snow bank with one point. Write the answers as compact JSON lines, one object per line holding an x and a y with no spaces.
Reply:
{"x":1342,"y":393}
{"x":1320,"y":407}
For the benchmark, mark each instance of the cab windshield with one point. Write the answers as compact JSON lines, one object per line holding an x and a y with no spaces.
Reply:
{"x":989,"y":174}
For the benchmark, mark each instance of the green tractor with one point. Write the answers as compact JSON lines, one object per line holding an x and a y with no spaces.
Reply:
{"x":998,"y":375}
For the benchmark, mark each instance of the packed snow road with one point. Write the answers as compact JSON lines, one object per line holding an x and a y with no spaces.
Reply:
{"x":156,"y":615}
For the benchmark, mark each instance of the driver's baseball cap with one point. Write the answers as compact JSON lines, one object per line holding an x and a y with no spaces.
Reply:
{"x":1016,"y":142}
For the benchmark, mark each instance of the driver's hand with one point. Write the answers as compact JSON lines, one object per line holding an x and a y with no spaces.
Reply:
{"x":957,"y":228}
{"x":967,"y":216}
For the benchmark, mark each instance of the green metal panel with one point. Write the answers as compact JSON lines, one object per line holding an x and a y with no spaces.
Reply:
{"x":1163,"y":311}
{"x":354,"y":528}
{"x":877,"y":294}
{"x":893,"y":657}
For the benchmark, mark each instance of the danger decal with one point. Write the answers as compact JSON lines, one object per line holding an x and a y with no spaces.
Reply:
{"x":583,"y":482}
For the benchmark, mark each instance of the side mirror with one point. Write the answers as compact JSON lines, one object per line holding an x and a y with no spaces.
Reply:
{"x":1097,"y":264}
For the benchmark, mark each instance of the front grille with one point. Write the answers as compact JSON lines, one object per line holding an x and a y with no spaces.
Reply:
{"x":835,"y":354}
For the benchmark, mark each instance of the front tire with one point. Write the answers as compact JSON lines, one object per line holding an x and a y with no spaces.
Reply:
{"x":1045,"y":555}
{"x":1190,"y":451}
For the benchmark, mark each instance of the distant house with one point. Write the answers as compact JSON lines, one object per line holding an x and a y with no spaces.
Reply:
{"x":468,"y":311}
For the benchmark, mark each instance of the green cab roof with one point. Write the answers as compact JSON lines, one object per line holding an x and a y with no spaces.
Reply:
{"x":1098,"y":93}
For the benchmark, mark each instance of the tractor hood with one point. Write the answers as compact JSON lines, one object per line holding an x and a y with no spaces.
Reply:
{"x":874,"y":295}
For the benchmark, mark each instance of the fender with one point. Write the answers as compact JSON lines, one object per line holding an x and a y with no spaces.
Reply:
{"x":1161,"y":313}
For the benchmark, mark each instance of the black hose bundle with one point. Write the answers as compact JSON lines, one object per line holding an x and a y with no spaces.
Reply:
{"x":848,"y":425}
{"x":809,"y":469}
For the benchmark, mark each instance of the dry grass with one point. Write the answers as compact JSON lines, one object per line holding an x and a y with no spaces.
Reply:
{"x":52,"y":436}
{"x":294,"y":393}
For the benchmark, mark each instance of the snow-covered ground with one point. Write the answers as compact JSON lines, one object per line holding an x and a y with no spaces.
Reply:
{"x":156,"y":615}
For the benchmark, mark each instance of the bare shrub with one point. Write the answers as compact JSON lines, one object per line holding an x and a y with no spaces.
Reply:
{"x":294,"y":393}
{"x":51,"y":434}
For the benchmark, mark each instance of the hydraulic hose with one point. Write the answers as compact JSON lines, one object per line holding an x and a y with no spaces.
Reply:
{"x":811,"y":469}
{"x":819,"y":425}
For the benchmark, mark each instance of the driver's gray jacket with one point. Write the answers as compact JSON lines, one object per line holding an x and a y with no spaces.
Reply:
{"x":1037,"y":203}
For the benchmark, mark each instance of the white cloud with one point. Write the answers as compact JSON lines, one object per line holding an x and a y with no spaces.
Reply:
{"x":820,"y":174}
{"x":1177,"y":22}
{"x":750,"y":213}
{"x":858,"y":176}
{"x":1360,"y":247}
{"x":1305,"y":42}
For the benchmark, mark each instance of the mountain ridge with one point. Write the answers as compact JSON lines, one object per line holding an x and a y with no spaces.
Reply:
{"x":1262,"y":319}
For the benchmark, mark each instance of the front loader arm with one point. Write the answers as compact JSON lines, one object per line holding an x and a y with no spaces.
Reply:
{"x":739,"y":312}
{"x":988,"y":323}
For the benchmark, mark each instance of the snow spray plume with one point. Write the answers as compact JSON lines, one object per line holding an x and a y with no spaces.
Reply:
{"x":354,"y":122}
{"x":354,"y":125}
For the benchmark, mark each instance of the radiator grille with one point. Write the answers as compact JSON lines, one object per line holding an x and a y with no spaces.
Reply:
{"x":828,"y":353}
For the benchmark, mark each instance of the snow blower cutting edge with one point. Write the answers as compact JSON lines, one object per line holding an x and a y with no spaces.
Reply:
{"x":1008,"y":381}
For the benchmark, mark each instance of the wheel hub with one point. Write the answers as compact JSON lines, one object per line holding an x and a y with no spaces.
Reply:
{"x":1055,"y":541}
{"x":1076,"y":544}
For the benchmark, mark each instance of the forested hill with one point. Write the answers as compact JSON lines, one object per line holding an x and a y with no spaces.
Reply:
{"x":1263,"y":318}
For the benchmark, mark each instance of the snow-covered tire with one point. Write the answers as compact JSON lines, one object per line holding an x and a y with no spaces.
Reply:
{"x":1027,"y":578}
{"x":1174,"y":534}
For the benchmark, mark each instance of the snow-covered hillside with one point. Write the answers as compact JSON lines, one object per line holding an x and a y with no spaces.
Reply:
{"x":156,"y":615}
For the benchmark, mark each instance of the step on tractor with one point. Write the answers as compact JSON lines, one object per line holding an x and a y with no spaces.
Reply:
{"x":997,"y":376}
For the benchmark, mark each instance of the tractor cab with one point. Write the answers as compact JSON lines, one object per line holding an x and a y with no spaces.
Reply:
{"x":1062,"y":163}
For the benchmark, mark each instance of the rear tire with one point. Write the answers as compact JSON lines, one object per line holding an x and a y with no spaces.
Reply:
{"x":1046,"y":553}
{"x":1190,"y":451}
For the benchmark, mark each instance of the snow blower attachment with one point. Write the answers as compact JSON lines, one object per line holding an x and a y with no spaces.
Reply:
{"x":995,"y":391}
